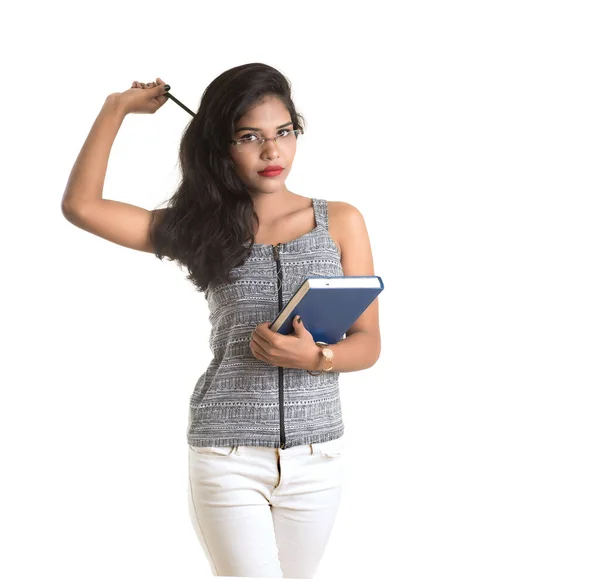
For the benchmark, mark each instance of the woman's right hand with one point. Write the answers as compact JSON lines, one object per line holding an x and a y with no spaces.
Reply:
{"x":142,"y":97}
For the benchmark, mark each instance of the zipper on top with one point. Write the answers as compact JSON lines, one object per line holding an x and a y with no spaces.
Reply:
{"x":280,"y":297}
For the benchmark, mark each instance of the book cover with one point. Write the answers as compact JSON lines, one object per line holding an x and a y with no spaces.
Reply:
{"x":328,"y":306}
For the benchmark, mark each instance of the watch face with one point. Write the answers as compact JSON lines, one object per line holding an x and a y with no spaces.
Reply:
{"x":328,"y":353}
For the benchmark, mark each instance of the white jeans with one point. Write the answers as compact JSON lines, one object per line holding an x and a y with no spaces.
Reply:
{"x":265,"y":512}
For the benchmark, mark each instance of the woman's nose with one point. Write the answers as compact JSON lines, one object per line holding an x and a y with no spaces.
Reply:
{"x":271,"y":149}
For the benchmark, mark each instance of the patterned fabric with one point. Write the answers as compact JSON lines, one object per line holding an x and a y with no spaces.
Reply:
{"x":236,"y":401}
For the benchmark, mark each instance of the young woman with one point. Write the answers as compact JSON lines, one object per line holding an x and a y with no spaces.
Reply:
{"x":265,"y":431}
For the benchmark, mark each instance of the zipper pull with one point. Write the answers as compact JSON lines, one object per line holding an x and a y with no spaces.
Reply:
{"x":276,"y":250}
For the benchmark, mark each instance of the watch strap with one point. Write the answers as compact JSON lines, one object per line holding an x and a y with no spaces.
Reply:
{"x":323,"y":345}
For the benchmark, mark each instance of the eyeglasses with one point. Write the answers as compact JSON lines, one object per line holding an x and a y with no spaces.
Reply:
{"x":253,"y":142}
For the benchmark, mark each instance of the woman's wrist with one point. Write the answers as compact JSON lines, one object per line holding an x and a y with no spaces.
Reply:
{"x":315,"y":363}
{"x":114,"y":104}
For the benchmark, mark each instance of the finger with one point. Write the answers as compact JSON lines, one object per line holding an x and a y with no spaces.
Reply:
{"x":257,"y":350}
{"x":260,"y":336}
{"x":258,"y":339}
{"x":261,"y":342}
{"x":267,"y":329}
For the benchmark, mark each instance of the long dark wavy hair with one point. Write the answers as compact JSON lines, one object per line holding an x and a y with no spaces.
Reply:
{"x":211,"y":215}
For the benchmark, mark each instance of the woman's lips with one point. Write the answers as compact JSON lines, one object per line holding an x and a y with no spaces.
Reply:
{"x":270,"y":173}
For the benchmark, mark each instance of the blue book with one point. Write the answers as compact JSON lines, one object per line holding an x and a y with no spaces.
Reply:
{"x":328,"y":306}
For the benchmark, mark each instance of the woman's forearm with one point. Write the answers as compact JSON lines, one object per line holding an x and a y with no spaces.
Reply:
{"x":86,"y":180}
{"x":358,"y":351}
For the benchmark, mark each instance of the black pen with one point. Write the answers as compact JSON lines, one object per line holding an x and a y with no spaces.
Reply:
{"x":169,"y":95}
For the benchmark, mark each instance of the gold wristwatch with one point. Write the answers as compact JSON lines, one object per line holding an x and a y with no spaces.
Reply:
{"x":328,"y":354}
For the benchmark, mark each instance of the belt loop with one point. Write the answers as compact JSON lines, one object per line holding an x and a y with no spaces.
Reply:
{"x":237,"y":450}
{"x":312,"y":448}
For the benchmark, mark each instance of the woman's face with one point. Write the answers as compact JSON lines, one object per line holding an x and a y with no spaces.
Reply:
{"x":270,"y":118}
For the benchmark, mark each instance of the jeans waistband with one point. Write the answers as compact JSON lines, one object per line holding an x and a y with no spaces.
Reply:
{"x":302,"y":449}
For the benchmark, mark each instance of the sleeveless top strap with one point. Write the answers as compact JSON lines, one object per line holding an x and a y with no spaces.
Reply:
{"x":321,"y":216}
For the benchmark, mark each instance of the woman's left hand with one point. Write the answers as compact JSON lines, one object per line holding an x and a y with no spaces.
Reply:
{"x":296,"y":350}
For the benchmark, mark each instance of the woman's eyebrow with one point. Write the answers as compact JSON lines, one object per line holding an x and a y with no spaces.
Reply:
{"x":257,"y":129}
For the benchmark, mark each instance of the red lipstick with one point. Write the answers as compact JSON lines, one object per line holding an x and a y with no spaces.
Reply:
{"x":271,"y":171}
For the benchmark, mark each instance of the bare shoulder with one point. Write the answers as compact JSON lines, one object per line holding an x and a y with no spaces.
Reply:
{"x":342,"y":211}
{"x":345,"y":221}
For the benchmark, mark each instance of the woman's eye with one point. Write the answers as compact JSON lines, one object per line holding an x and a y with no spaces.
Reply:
{"x":286,"y":131}
{"x":247,"y":137}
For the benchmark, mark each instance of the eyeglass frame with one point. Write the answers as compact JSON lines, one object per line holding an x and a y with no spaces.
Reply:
{"x":265,"y":139}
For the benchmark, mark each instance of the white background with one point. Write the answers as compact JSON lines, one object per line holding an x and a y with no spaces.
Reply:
{"x":467,"y":135}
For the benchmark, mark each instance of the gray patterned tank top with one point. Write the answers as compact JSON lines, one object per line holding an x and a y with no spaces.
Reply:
{"x":240,"y":400}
